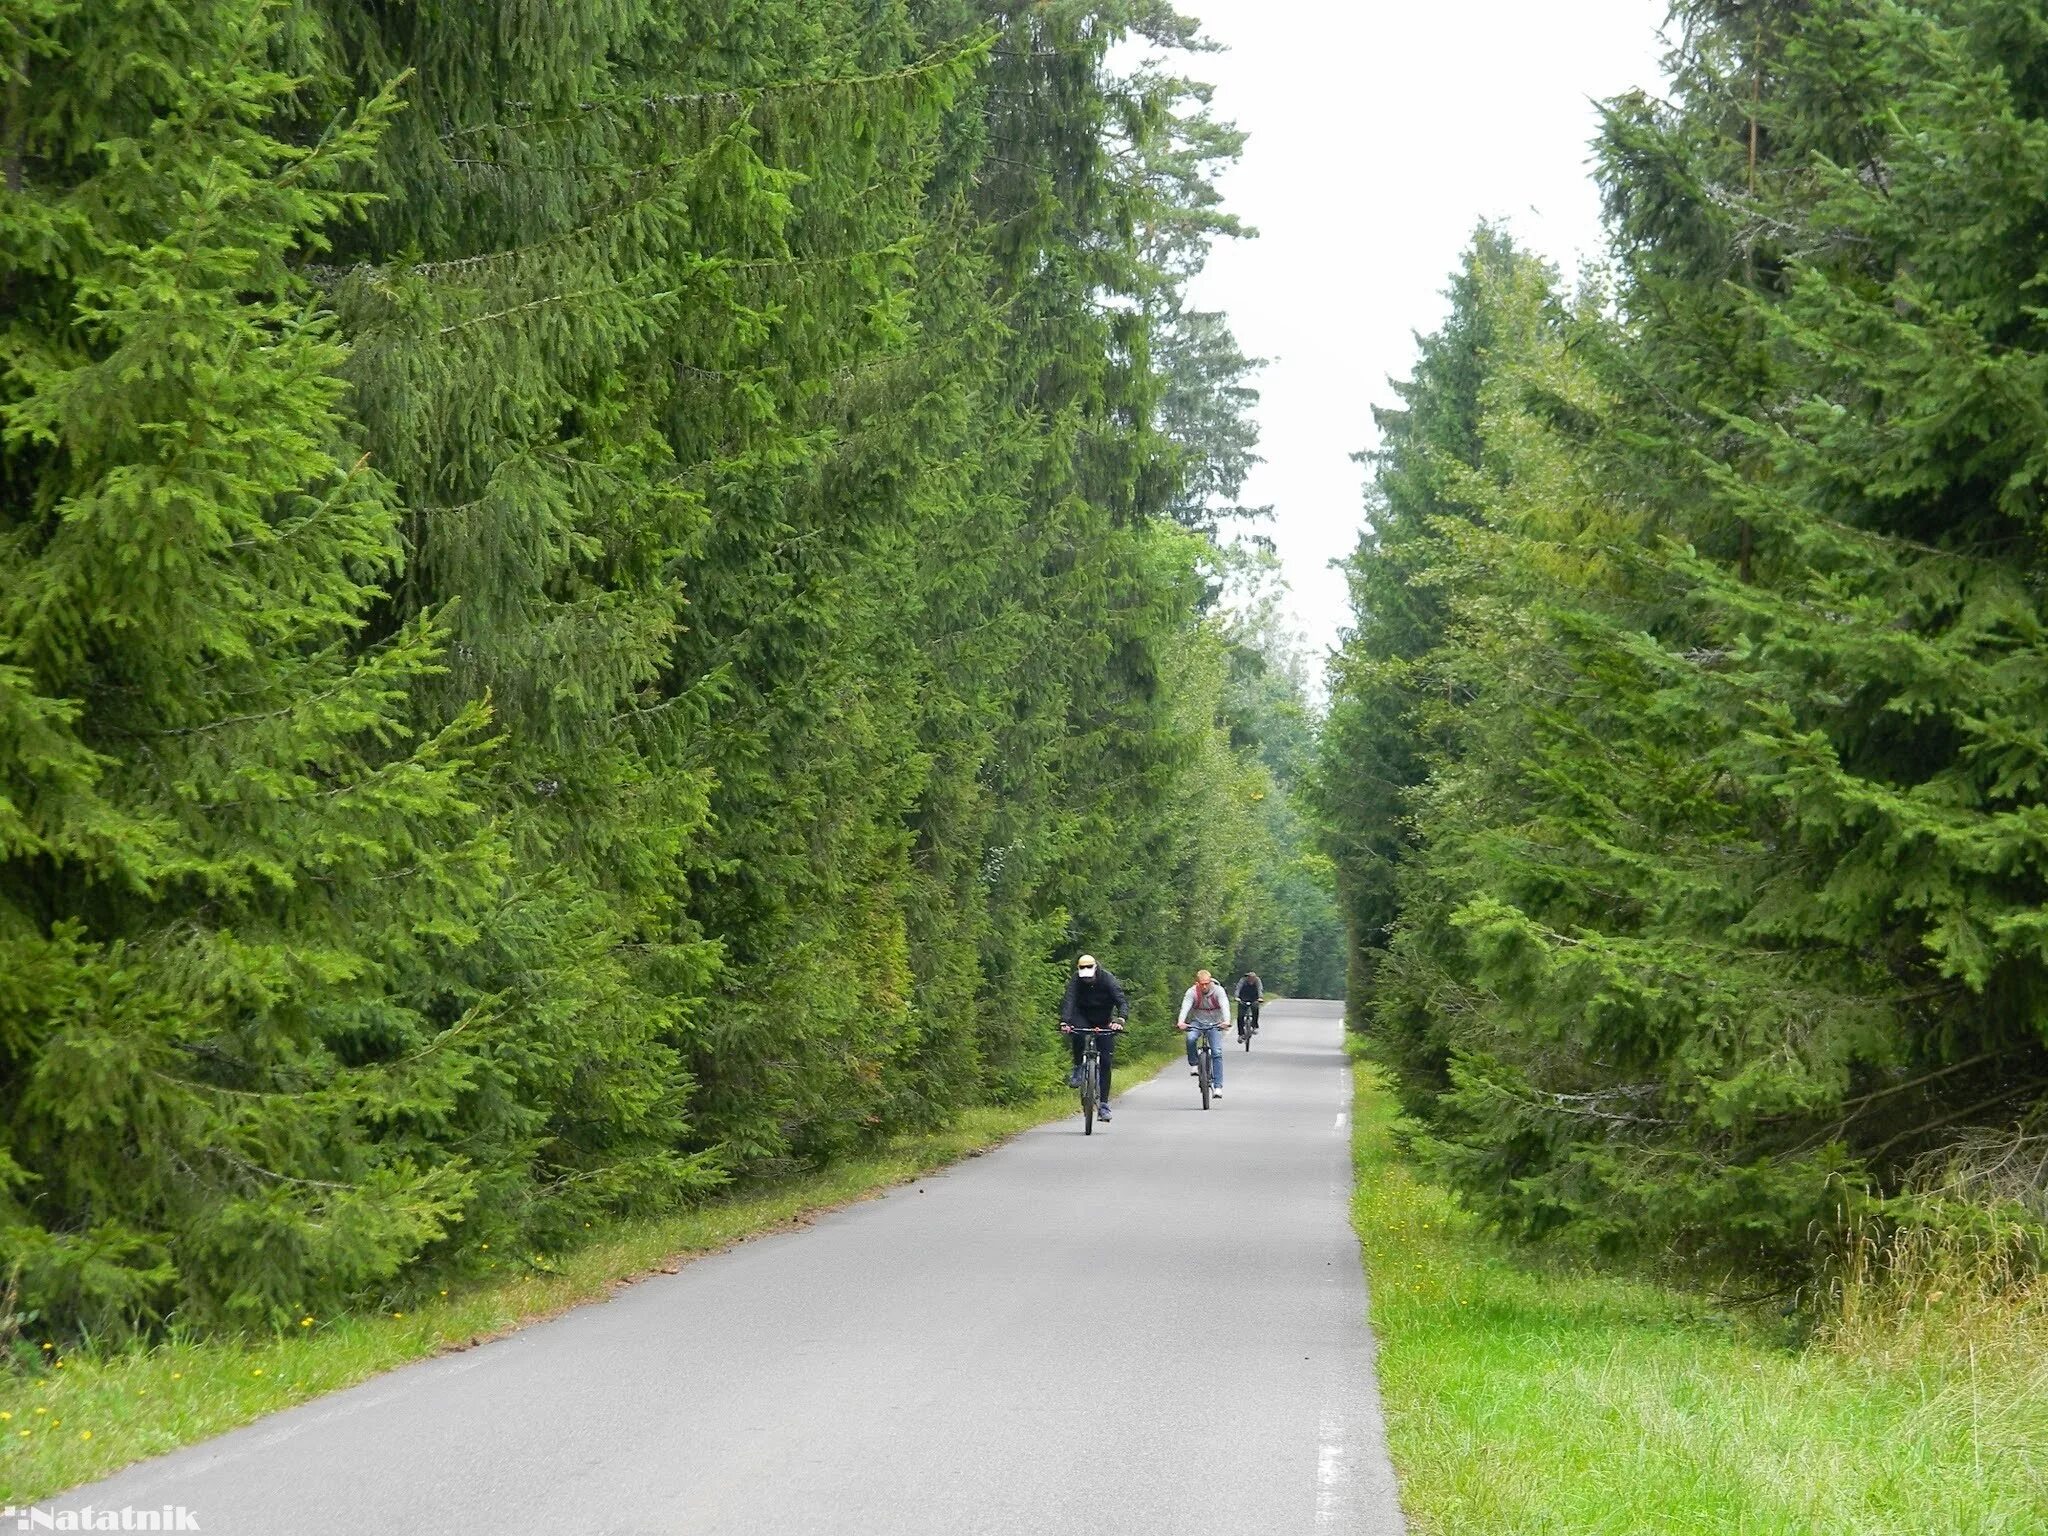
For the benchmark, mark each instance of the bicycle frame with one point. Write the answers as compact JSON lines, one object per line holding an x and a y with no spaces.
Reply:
{"x":1205,"y":1063}
{"x":1090,"y":1068}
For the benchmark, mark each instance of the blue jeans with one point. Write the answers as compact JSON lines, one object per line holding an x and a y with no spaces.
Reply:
{"x":1215,"y":1034}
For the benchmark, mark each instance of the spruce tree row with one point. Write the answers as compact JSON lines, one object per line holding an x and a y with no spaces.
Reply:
{"x":1687,"y":774}
{"x":594,"y":598}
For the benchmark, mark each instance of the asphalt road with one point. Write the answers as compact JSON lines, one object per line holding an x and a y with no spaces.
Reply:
{"x":1159,"y":1328}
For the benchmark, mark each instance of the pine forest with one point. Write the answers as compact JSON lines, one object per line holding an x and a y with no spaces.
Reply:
{"x":598,"y":597}
{"x":595,"y":597}
{"x":1687,"y":764}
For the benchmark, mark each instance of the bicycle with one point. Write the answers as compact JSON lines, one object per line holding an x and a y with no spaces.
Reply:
{"x":1091,"y":1073}
{"x":1247,"y":1023}
{"x":1205,"y":1066}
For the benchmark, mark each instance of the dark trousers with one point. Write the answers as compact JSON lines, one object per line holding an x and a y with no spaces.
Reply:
{"x":1106,"y":1044}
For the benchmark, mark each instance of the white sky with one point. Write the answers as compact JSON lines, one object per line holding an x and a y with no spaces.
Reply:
{"x":1382,"y":131}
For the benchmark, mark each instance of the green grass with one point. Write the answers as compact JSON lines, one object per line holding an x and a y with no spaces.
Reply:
{"x":85,"y":1416}
{"x":1525,"y":1400}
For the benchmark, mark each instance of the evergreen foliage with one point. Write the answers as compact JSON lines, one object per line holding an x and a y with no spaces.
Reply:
{"x":235,"y":868}
{"x":594,"y":598}
{"x":1685,"y":769}
{"x":1293,"y":934}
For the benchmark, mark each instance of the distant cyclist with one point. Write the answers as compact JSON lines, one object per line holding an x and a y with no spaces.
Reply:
{"x":1250,"y":993}
{"x":1094,"y":1000}
{"x":1206,"y":1010}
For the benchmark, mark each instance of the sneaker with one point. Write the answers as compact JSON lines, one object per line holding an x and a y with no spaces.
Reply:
{"x":1102,"y":1114}
{"x":1215,"y":1093}
{"x":1074,"y":1078}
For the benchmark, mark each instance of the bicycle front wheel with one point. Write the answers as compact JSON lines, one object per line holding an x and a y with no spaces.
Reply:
{"x":1090,"y":1083}
{"x":1202,"y":1072}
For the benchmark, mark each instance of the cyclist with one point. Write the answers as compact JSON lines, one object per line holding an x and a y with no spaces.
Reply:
{"x":1094,"y":1000}
{"x":1205,"y":1009}
{"x":1250,"y":993}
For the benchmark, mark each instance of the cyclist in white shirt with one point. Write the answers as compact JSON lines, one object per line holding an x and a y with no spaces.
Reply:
{"x":1206,"y":1008}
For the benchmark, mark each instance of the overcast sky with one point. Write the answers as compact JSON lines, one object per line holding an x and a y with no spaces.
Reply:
{"x":1382,"y":131}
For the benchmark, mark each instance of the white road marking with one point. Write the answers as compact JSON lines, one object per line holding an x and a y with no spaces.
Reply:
{"x":1340,"y":1121}
{"x":1332,"y":1475}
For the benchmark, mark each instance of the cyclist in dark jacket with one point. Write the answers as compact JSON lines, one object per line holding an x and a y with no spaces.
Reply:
{"x":1094,"y":1000}
{"x":1250,"y":993}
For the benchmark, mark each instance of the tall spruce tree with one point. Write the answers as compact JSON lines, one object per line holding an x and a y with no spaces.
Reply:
{"x":1717,"y":932}
{"x":594,"y":599}
{"x":1374,"y":752}
{"x":233,"y":876}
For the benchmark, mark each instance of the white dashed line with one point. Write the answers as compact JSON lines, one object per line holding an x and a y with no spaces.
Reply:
{"x":1331,"y":1474}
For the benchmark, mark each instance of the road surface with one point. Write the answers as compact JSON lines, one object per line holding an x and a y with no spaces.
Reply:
{"x":1157,"y":1329}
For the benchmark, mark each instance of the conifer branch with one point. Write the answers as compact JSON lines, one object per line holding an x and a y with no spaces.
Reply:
{"x":937,"y":61}
{"x":1967,"y":1112}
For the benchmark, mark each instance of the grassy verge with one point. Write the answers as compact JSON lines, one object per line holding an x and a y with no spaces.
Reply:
{"x":1531,"y":1401}
{"x":86,"y":1416}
